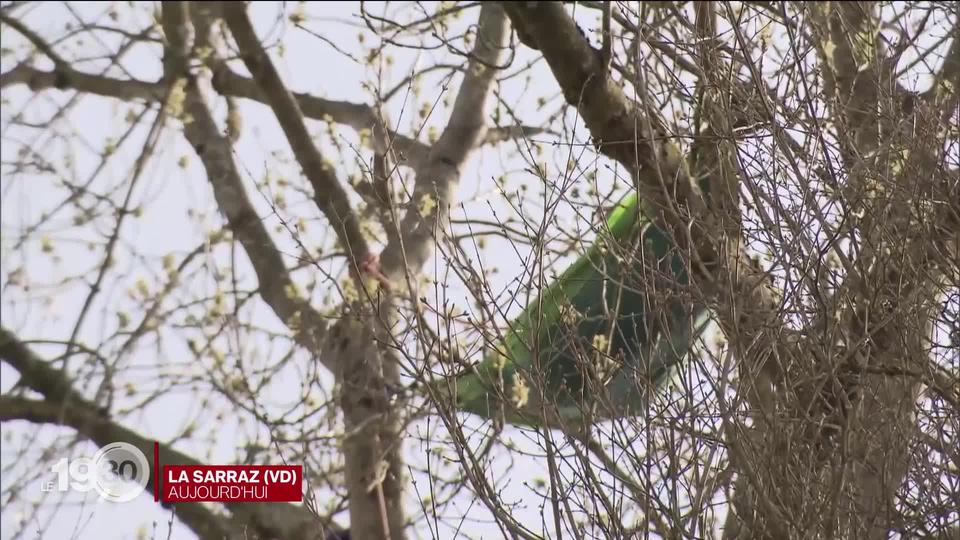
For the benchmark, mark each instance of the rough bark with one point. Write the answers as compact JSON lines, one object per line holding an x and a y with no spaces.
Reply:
{"x":791,"y":482}
{"x":362,"y":339}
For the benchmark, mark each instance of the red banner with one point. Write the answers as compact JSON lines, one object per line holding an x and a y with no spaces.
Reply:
{"x":232,"y":483}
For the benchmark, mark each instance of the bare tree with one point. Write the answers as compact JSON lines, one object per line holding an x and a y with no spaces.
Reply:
{"x":339,"y":288}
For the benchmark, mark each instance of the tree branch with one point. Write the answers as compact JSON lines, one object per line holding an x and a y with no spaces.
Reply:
{"x":62,"y":405}
{"x":745,"y":303}
{"x":328,"y":193}
{"x":34,"y":38}
{"x":374,"y":466}
{"x":411,"y":152}
{"x":464,"y":132}
{"x":356,"y":115}
{"x":276,"y":286}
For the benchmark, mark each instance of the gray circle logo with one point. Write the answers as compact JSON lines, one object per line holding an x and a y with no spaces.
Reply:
{"x":122,"y":472}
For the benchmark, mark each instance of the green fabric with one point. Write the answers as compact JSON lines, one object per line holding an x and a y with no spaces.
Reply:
{"x":643,"y":346}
